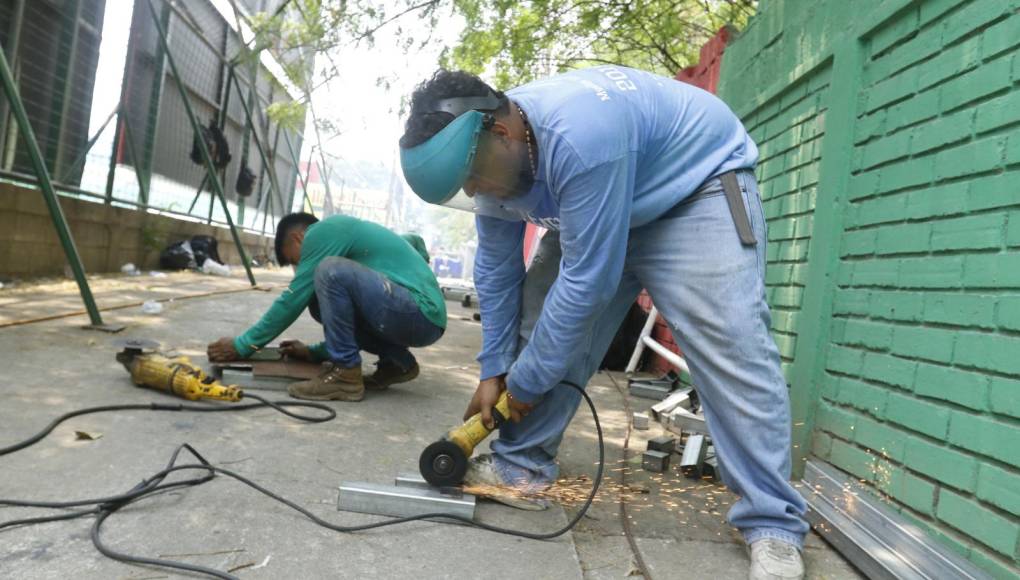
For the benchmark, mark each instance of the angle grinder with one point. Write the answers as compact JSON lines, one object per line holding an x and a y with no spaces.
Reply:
{"x":177,"y":376}
{"x":444,"y":463}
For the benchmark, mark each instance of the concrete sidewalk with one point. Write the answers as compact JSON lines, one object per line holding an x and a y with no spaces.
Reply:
{"x":53,"y":367}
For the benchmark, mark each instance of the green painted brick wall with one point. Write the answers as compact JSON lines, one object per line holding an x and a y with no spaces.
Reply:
{"x":917,"y":388}
{"x":788,"y":134}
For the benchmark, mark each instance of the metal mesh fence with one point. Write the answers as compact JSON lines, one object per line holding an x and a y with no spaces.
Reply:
{"x":133,"y":145}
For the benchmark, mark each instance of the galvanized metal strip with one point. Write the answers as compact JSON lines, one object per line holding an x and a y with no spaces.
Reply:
{"x":879,"y":541}
{"x":403,"y":501}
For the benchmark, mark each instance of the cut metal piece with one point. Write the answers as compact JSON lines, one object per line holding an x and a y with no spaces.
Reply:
{"x":403,"y":501}
{"x":269,"y":353}
{"x":682,"y":420}
{"x":248,"y":380}
{"x":693,"y":459}
{"x":656,"y":461}
{"x":715,"y":468}
{"x":641,"y":421}
{"x":663,"y":443}
{"x":681,"y":398}
{"x":650,"y":390}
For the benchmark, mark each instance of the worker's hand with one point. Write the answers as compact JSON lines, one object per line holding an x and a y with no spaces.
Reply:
{"x":222,"y":350}
{"x":485,"y":398}
{"x":518,"y":410}
{"x":295,"y":349}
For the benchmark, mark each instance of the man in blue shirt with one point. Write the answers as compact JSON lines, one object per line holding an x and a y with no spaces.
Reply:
{"x":646,"y":182}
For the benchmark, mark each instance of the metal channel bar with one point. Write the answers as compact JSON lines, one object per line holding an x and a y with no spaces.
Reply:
{"x":876,"y":539}
{"x":410,"y":479}
{"x":403,"y":501}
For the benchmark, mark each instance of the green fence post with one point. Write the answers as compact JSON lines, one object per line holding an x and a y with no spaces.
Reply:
{"x":111,"y":173}
{"x":276,"y":187}
{"x":823,"y":261}
{"x":88,"y":147}
{"x":68,"y":57}
{"x":297,"y":167}
{"x":155,"y":102}
{"x":210,"y":168}
{"x":50,"y":195}
{"x":258,"y":142}
{"x":143,"y":187}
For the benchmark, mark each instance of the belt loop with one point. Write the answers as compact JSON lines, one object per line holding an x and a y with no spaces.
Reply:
{"x":735,"y":199}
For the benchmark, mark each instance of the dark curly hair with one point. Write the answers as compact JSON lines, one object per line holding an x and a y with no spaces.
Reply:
{"x":424,"y":122}
{"x":287,"y":224}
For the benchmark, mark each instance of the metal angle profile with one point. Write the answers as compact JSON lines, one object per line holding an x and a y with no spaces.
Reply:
{"x":693,"y":458}
{"x":681,"y":420}
{"x":681,"y":398}
{"x":403,"y":500}
{"x":880,"y":542}
{"x":650,"y":390}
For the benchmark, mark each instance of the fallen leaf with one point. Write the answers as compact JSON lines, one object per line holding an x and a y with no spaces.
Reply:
{"x":86,"y":436}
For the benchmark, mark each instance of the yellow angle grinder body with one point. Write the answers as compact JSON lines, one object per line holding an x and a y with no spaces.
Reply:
{"x":444,"y":463}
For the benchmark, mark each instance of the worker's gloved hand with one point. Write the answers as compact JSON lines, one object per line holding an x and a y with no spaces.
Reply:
{"x":222,"y":350}
{"x":295,"y":349}
{"x":485,"y":398}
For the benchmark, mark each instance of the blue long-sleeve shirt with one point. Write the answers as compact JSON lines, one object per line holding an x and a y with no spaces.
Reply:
{"x":617,"y":148}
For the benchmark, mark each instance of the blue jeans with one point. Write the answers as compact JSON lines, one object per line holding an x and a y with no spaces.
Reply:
{"x":360,"y":309}
{"x":711,"y":290}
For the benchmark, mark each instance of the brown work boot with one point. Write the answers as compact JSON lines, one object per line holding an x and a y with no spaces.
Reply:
{"x":334,"y":383}
{"x":389,"y":373}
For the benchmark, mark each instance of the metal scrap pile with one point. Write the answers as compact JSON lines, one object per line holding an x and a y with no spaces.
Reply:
{"x":678,"y":411}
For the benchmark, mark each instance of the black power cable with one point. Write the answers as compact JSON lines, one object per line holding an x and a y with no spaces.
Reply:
{"x":107,"y":506}
{"x":280,"y":406}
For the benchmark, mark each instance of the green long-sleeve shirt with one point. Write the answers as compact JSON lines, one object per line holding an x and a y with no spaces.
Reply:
{"x":403,"y":260}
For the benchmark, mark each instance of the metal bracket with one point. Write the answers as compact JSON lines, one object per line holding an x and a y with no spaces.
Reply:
{"x":111,"y":328}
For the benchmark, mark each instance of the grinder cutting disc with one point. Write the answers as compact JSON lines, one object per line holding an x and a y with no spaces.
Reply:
{"x":443,"y":464}
{"x":137,"y":344}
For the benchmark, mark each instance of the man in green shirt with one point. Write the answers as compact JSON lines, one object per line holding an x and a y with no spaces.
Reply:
{"x":371,"y":289}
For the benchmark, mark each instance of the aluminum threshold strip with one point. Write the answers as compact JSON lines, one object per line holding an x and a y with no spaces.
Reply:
{"x":403,"y":500}
{"x":877,"y":540}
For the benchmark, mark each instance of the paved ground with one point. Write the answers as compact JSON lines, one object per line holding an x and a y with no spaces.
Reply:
{"x":53,"y":366}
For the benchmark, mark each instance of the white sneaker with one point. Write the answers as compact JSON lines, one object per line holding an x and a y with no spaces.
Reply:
{"x":773,"y":559}
{"x":483,"y":480}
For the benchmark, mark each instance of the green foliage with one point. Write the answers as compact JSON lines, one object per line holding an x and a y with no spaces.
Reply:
{"x":511,"y":42}
{"x":287,"y":114}
{"x":519,"y":41}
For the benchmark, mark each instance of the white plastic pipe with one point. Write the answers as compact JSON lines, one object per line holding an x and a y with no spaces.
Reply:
{"x":639,"y":348}
{"x":670,"y":356}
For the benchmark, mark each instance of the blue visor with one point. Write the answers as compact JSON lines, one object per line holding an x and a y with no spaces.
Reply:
{"x":437,"y":169}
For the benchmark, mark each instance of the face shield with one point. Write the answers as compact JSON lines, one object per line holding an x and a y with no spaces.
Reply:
{"x":467,"y":166}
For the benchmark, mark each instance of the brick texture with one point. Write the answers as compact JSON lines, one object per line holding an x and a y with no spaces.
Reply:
{"x":920,"y":388}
